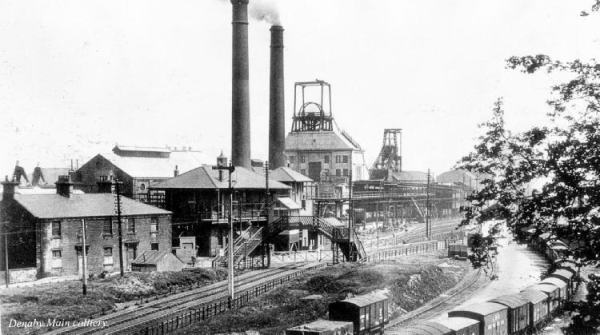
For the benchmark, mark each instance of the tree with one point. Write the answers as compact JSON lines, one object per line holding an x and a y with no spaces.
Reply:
{"x":566,"y":156}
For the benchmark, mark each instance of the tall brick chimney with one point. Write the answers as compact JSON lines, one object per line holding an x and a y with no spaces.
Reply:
{"x":276,"y":101}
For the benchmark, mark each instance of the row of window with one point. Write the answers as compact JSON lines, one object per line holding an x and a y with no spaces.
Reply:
{"x":107,"y":228}
{"x":108,"y":256}
{"x":338,"y":172}
{"x":302,"y":159}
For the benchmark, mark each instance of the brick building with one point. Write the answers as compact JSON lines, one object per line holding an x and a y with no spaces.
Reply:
{"x":139,"y":168}
{"x":45,"y":230}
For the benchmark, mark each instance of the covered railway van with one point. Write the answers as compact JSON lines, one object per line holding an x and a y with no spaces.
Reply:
{"x":566,"y":276}
{"x":425,"y":328}
{"x":518,"y":312}
{"x":323,"y":327}
{"x":551,"y":291}
{"x":368,"y":313}
{"x":492,"y":317}
{"x":538,"y":305}
{"x":562,"y":287}
{"x":460,"y":325}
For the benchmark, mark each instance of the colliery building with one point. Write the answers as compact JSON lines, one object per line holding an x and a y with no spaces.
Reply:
{"x":46,"y":230}
{"x":315,"y":147}
{"x":138,"y":168}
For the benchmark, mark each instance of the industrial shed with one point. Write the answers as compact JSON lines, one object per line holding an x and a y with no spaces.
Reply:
{"x":518,"y":312}
{"x":154,"y":260}
{"x":323,"y":327}
{"x":460,"y":325}
{"x":538,"y":305}
{"x":492,"y":317}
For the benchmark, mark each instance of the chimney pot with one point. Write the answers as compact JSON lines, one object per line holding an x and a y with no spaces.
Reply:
{"x":8,"y":189}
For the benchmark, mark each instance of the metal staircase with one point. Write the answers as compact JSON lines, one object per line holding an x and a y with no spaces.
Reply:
{"x":245,"y":244}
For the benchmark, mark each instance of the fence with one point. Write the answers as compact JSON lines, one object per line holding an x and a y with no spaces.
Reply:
{"x":408,"y":249}
{"x":203,"y":311}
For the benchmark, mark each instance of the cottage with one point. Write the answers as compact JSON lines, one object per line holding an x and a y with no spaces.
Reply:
{"x":47,"y":230}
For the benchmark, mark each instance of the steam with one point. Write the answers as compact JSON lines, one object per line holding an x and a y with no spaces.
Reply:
{"x":265,"y":10}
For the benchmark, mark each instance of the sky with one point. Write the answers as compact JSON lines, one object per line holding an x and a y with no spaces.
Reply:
{"x":77,"y":77}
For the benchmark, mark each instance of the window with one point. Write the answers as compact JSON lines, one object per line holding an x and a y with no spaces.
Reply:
{"x":153,"y":246}
{"x":56,"y":229}
{"x":338,"y":159}
{"x":131,"y":226}
{"x":56,"y":259}
{"x":153,"y":224}
{"x":303,"y":171}
{"x":345,"y":172}
{"x":338,"y":172}
{"x":108,"y":256}
{"x":345,"y":159}
{"x":107,"y":227}
{"x":326,"y":158}
{"x":302,"y":159}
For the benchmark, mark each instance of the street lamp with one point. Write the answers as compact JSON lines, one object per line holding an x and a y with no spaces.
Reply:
{"x":229,"y":168}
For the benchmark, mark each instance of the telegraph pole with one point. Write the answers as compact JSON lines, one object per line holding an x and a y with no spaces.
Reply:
{"x":84,"y":255}
{"x":427,"y":223}
{"x":120,"y":230}
{"x":230,"y":169}
{"x":266,"y":231}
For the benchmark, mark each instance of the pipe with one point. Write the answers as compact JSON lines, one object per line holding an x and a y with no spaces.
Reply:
{"x":240,"y":104}
{"x":276,"y":101}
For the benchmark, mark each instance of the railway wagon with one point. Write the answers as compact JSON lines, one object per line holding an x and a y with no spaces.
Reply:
{"x":368,"y":313}
{"x":518,"y":312}
{"x":458,"y":250}
{"x":460,"y":325}
{"x":566,"y":276}
{"x":492,"y":317}
{"x":552,"y":292}
{"x":322,"y":327}
{"x":562,"y":287}
{"x":425,"y":328}
{"x":538,"y":306}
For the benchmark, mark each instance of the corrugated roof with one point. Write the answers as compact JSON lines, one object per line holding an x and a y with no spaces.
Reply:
{"x":457,"y":322}
{"x":317,"y":140}
{"x":49,"y":206}
{"x":483,"y":308}
{"x":554,"y":281}
{"x":533,"y":295}
{"x":366,"y":299}
{"x":157,"y":167}
{"x":205,"y":177}
{"x":285,"y":174}
{"x":150,"y":257}
{"x":512,"y":301}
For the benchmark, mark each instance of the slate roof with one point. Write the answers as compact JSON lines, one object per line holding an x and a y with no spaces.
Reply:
{"x":50,"y":206}
{"x":285,"y":174}
{"x":157,"y":167}
{"x":317,"y":140}
{"x":205,"y":177}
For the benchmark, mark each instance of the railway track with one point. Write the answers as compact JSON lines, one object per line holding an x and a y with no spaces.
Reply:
{"x":120,"y":321}
{"x":451,"y":298}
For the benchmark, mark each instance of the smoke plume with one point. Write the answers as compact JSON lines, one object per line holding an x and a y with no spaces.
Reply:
{"x":265,"y":10}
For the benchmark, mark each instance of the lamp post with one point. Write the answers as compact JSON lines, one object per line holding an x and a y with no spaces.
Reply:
{"x":229,"y":168}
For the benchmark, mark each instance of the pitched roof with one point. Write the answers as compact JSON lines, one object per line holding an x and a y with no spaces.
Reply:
{"x":205,"y":177}
{"x":157,"y":167}
{"x":317,"y":140}
{"x":50,"y":206}
{"x":285,"y":174}
{"x":288,"y":203}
